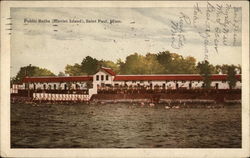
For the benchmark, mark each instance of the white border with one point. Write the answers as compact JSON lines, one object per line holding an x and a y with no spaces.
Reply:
{"x":6,"y":151}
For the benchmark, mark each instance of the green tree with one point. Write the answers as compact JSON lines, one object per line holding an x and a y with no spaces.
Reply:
{"x":165,"y":59}
{"x":134,"y":64}
{"x":205,"y":70}
{"x":231,"y":76}
{"x":121,"y":66}
{"x":90,"y":65}
{"x":176,"y":64}
{"x":31,"y":71}
{"x":189,"y":65}
{"x":110,"y":64}
{"x":152,"y":65}
{"x":74,"y":70}
{"x":139,"y":64}
{"x":61,"y":74}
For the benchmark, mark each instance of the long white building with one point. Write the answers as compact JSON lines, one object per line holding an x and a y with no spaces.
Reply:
{"x":106,"y":77}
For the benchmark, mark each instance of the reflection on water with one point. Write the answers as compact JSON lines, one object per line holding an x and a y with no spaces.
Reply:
{"x":122,"y":126}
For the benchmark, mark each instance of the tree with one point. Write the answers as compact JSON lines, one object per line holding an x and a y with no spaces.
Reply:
{"x":134,"y":64}
{"x":189,"y":65}
{"x":121,"y":65}
{"x":176,"y":64}
{"x":165,"y":59}
{"x":90,"y":65}
{"x":61,"y":74}
{"x":152,"y":65}
{"x":31,"y":71}
{"x":205,"y":70}
{"x":74,"y":70}
{"x":139,"y":64}
{"x":231,"y":76}
{"x":110,"y":64}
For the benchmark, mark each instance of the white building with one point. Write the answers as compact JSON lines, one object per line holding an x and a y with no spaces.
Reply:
{"x":105,"y":77}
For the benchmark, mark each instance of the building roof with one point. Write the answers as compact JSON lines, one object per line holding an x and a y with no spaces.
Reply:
{"x":108,"y":70}
{"x":186,"y":77}
{"x":58,"y":79}
{"x":164,"y":77}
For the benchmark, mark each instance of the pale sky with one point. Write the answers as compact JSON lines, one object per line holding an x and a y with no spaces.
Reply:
{"x":142,"y":30}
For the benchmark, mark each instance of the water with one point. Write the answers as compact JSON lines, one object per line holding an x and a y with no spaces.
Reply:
{"x":123,"y":126}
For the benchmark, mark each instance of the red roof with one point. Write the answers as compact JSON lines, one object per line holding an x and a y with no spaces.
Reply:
{"x":128,"y":78}
{"x":108,"y":70}
{"x":168,"y":77}
{"x":58,"y":79}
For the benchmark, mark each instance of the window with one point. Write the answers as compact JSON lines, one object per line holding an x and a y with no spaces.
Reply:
{"x":44,"y":86}
{"x":54,"y":86}
{"x":216,"y":85}
{"x":163,"y":85}
{"x":97,"y":77}
{"x":107,"y":77}
{"x":190,"y":85}
{"x":102,"y":77}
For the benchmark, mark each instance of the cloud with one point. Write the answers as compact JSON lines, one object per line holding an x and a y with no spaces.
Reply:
{"x":141,"y":30}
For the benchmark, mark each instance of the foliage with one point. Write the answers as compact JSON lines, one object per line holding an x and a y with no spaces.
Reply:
{"x":176,"y":64}
{"x":151,"y":63}
{"x":31,"y":71}
{"x":224,"y":68}
{"x":205,"y":70}
{"x":74,"y":70}
{"x":90,"y":65}
{"x":61,"y":74}
{"x":110,"y":64}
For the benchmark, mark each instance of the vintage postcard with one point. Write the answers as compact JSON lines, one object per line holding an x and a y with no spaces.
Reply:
{"x":125,"y":79}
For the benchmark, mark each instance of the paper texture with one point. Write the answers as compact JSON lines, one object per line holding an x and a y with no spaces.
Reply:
{"x":53,"y":34}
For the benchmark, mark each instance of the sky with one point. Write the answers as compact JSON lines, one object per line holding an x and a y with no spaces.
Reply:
{"x":186,"y":31}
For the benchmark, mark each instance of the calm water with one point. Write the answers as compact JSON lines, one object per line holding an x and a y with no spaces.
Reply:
{"x":122,"y":126}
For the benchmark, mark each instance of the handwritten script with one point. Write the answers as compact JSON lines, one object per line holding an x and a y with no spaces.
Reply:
{"x":217,"y":25}
{"x":178,"y":38}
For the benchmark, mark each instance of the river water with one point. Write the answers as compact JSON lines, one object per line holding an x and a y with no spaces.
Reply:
{"x":124,"y":126}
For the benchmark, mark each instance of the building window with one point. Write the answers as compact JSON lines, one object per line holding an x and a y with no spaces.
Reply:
{"x":44,"y":86}
{"x":54,"y":86}
{"x":216,"y":85}
{"x":164,"y":86}
{"x":190,"y":85}
{"x":97,"y":77}
{"x":203,"y":85}
{"x":102,"y":77}
{"x":107,"y":77}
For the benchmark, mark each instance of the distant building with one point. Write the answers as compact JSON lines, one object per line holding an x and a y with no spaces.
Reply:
{"x":106,"y":77}
{"x":56,"y":87}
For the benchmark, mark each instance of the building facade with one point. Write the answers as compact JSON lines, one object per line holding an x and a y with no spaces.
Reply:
{"x":105,"y":78}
